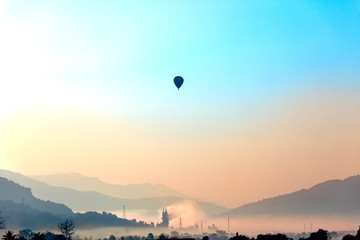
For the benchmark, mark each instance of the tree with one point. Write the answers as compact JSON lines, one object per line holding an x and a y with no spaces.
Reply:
{"x":39,"y":236}
{"x":26,"y":234}
{"x":174,"y":234}
{"x":162,"y":236}
{"x":67,"y":228}
{"x":2,"y":222}
{"x":357,"y":236}
{"x":348,"y":237}
{"x":278,"y":236}
{"x":9,"y":235}
{"x":150,"y":236}
{"x":321,"y":234}
{"x":239,"y":237}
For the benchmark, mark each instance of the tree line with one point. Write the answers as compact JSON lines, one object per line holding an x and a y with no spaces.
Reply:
{"x":67,"y":231}
{"x":66,"y":228}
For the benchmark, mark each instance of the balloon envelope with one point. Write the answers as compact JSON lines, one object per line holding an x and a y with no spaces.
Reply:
{"x":178,"y":81}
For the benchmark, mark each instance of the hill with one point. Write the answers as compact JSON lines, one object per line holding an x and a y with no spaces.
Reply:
{"x":79,"y":182}
{"x":330,"y":198}
{"x":22,"y":210}
{"x":22,"y":216}
{"x":10,"y":191}
{"x":93,"y":201}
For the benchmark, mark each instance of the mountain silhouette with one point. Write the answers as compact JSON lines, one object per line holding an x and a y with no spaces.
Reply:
{"x":81,"y":201}
{"x":10,"y":191}
{"x":23,"y":216}
{"x":333,"y":197}
{"x":79,"y":182}
{"x":21,"y":210}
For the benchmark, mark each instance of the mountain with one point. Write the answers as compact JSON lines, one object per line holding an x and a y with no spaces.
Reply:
{"x":76,"y":200}
{"x":93,"y":201}
{"x":330,"y":198}
{"x":22,"y":210}
{"x":14,"y":192}
{"x":79,"y":182}
{"x":20,"y":216}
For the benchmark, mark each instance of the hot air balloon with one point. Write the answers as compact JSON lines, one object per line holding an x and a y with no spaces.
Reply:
{"x":178,"y":81}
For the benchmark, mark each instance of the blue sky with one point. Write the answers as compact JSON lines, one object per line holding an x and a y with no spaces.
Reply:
{"x":220,"y":48}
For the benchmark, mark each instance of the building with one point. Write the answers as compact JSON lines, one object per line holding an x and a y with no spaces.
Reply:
{"x":164,"y":219}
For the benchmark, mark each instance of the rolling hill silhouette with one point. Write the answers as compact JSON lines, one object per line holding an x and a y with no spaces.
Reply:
{"x":79,"y":182}
{"x":93,"y":201}
{"x":11,"y":191}
{"x":333,"y":197}
{"x":22,"y":210}
{"x":23,"y":216}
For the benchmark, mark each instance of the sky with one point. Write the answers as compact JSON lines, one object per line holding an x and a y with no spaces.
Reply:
{"x":270,"y":102}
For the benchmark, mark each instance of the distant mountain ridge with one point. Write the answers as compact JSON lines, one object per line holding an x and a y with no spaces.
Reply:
{"x":79,"y":182}
{"x":22,"y":210}
{"x":11,"y":191}
{"x":330,"y":198}
{"x":19,"y":216}
{"x":333,"y":197}
{"x":93,"y":201}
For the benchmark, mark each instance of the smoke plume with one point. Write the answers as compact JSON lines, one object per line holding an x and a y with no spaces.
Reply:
{"x":188,"y":211}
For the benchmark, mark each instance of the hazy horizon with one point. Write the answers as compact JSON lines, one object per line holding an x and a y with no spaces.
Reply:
{"x":270,"y":102}
{"x":119,"y":213}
